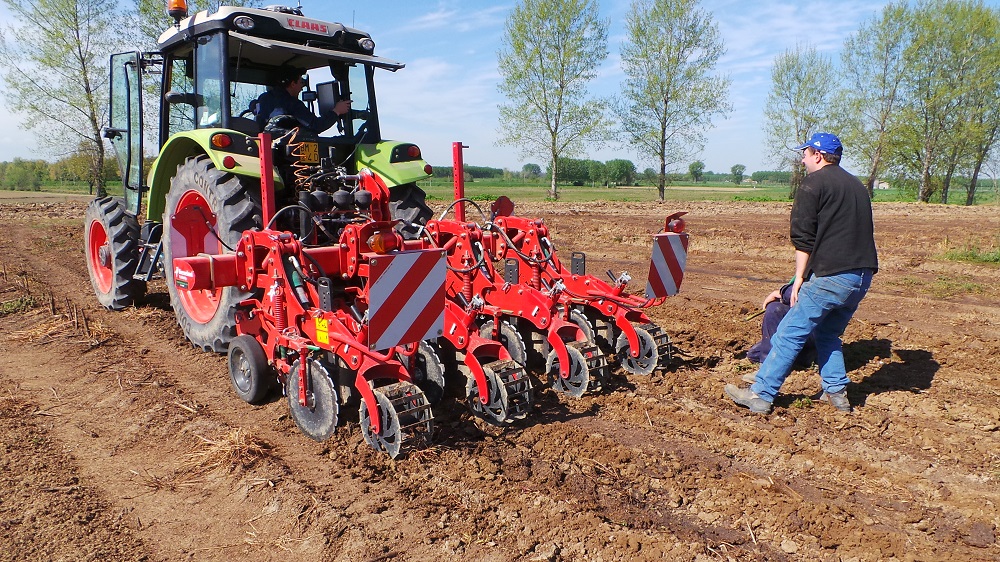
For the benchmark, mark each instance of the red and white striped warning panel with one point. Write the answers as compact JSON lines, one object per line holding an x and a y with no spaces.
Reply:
{"x":666,"y":269}
{"x":406,"y":298}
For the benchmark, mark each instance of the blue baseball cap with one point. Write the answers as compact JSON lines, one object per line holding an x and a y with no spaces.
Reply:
{"x":827,"y":143}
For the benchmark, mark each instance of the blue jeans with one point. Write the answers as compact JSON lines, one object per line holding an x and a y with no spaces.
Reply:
{"x":825,"y":306}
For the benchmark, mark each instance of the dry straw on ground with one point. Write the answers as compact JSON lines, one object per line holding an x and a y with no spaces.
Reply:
{"x":239,"y":449}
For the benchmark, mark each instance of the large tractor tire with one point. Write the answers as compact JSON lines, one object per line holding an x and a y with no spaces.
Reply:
{"x":111,"y":242}
{"x":407,"y":203}
{"x":206,"y":212}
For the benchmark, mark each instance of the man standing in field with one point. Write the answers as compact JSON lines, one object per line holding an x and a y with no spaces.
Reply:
{"x":835,"y":257}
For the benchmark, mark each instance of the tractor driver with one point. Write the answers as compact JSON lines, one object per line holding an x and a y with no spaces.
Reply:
{"x":282,"y":98}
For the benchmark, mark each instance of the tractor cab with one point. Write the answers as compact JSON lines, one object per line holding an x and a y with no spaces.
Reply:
{"x":205,"y":83}
{"x":214,"y":67}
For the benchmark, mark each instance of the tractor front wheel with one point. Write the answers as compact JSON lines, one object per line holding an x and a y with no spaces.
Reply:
{"x":111,"y":241}
{"x":207,"y":211}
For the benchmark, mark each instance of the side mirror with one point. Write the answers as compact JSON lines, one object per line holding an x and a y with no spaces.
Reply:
{"x":112,"y":133}
{"x":309,"y":96}
{"x":192,"y":99}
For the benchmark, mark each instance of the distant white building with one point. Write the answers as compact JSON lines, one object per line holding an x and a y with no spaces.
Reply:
{"x":882,"y":185}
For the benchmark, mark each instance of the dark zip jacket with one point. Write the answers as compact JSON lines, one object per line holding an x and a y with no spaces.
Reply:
{"x":277,"y":101}
{"x":832,"y":222}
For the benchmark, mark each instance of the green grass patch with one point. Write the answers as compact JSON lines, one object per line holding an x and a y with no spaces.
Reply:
{"x":942,"y":287}
{"x":802,"y":403}
{"x":945,"y":287}
{"x":974,"y":255}
{"x":527,"y":192}
{"x":18,"y":305}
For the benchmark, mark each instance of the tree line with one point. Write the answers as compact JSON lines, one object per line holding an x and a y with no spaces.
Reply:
{"x":29,"y":175}
{"x":916,"y":93}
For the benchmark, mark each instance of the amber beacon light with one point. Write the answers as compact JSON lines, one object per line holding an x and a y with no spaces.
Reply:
{"x":177,"y":9}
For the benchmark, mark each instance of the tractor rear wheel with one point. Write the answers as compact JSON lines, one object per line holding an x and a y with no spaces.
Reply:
{"x":111,"y":240}
{"x":206,"y":212}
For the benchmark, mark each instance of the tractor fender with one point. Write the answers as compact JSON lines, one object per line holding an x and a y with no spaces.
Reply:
{"x":186,"y":144}
{"x":379,"y":159}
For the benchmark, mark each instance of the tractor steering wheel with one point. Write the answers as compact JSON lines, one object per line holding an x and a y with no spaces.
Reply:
{"x":252,"y":110}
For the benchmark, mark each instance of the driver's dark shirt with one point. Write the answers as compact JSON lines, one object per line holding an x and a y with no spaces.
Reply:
{"x":277,"y":101}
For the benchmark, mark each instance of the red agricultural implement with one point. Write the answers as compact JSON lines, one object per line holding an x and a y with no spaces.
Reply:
{"x":599,"y":308}
{"x":529,"y":256}
{"x":481,"y":301}
{"x":319,"y":314}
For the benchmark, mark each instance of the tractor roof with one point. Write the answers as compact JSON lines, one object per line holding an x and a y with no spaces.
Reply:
{"x":278,"y":38}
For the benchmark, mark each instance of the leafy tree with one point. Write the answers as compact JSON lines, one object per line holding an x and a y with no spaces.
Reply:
{"x":771,"y":177}
{"x":23,"y":175}
{"x":797,"y":104}
{"x":531,"y":171}
{"x":873,"y":69}
{"x":671,"y":93}
{"x":621,"y":172}
{"x":598,"y":172}
{"x":55,"y":72}
{"x":550,"y":51}
{"x":573,"y":170}
{"x":650,"y":176}
{"x":950,"y":68}
{"x":697,"y":168}
{"x":737,"y":173}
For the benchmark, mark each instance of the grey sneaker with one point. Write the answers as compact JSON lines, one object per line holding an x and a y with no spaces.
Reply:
{"x":748,"y":398}
{"x":749,"y":377}
{"x":837,"y":399}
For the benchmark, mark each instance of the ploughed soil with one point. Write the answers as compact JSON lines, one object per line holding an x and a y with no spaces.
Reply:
{"x":120,"y":441}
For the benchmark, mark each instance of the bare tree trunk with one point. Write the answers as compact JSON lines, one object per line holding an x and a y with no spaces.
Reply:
{"x":947,"y":184}
{"x":553,"y":191}
{"x":924,"y":193}
{"x":797,"y":176}
{"x":873,"y":172}
{"x":99,"y":176}
{"x":970,"y":194}
{"x":662,"y":184}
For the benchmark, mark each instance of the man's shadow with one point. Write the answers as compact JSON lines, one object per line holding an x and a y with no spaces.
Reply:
{"x":910,"y":370}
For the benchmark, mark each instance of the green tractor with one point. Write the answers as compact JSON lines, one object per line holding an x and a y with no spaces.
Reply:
{"x":203,"y":189}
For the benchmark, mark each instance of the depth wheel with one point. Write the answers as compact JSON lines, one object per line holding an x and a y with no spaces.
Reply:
{"x":427,"y":371}
{"x":111,"y":240}
{"x":497,"y":408}
{"x":207,"y":211}
{"x":648,"y":358}
{"x":317,"y":419}
{"x":578,"y":318}
{"x":252,"y":377}
{"x":576,"y":385}
{"x":509,"y":337}
{"x":390,"y":440}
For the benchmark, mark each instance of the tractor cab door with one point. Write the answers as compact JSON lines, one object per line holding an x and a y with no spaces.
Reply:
{"x":125,"y":123}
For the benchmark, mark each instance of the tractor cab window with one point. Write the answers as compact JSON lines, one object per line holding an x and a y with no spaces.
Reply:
{"x":179,"y":96}
{"x":208,"y":71}
{"x":246,"y":84}
{"x":194,"y":86}
{"x":361,"y":108}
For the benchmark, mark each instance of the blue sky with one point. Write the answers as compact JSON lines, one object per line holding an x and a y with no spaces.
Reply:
{"x":448,"y":90}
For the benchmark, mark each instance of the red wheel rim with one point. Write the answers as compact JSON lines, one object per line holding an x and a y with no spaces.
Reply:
{"x":193,"y":232}
{"x":101,"y":268}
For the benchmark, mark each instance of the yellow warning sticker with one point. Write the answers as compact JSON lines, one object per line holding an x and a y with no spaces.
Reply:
{"x":322,"y":331}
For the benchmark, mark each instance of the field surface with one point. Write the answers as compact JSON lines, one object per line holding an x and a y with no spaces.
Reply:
{"x":119,"y":441}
